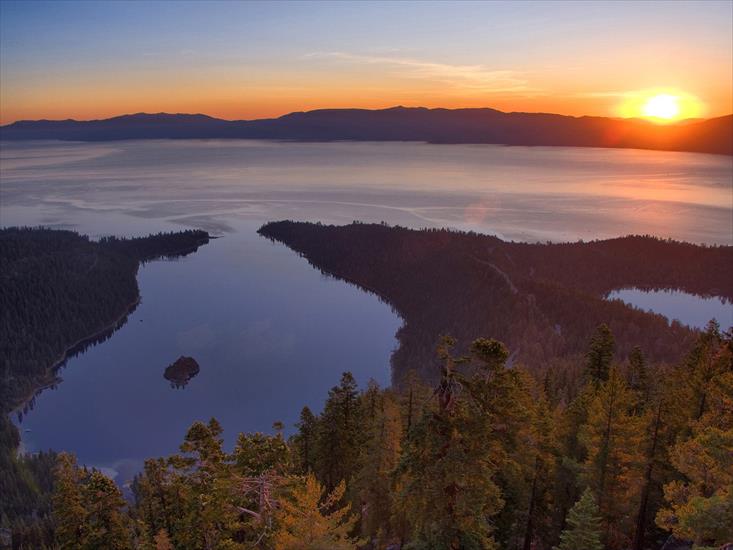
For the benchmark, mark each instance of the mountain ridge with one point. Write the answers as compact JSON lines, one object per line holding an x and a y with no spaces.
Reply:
{"x":433,"y":125}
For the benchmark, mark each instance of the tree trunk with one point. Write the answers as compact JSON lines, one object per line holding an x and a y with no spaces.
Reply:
{"x":641,"y":516}
{"x":529,"y":531}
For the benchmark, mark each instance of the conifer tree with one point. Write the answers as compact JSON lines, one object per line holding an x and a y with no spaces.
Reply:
{"x":613,"y":468}
{"x":208,"y":518}
{"x":310,"y":520}
{"x":453,"y":453}
{"x":542,"y":447}
{"x":639,"y":376}
{"x":257,"y":453}
{"x":305,"y":440}
{"x":583,"y":531}
{"x":68,"y":504}
{"x":162,"y":541}
{"x":157,"y":503}
{"x":339,"y":434}
{"x":88,"y":509}
{"x":106,"y":522}
{"x":380,"y":455}
{"x":573,"y":455}
{"x":600,"y":355}
{"x":699,"y":507}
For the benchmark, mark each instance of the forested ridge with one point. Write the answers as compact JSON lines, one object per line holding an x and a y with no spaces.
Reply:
{"x":488,"y":457}
{"x":58,"y":290}
{"x":542,"y":300}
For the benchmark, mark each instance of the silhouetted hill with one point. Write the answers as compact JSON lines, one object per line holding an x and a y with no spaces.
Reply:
{"x":543,"y":300}
{"x":400,"y":124}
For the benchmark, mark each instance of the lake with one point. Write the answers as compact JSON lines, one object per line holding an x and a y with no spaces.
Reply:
{"x":688,"y":309}
{"x":270,"y":333}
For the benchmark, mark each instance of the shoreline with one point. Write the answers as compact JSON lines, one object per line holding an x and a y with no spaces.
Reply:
{"x":129,"y":308}
{"x":65,"y":355}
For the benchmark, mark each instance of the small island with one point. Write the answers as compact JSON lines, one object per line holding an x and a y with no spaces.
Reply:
{"x":180,"y":372}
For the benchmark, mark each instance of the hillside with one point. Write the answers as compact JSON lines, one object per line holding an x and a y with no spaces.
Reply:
{"x":543,"y":300}
{"x":399,"y":124}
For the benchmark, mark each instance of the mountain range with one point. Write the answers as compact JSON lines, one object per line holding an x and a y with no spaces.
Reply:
{"x":399,"y":124}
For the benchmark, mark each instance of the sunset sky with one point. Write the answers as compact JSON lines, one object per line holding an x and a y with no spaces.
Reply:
{"x":244,"y":60}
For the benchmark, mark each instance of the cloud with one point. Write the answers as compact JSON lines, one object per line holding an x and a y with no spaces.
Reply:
{"x":607,"y":94}
{"x":473,"y":77}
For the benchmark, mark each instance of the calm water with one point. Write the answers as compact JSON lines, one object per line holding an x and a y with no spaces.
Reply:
{"x":688,"y":309}
{"x":270,"y":333}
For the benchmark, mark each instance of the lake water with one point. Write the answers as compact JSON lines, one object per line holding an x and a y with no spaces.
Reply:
{"x":688,"y":309}
{"x":270,"y":333}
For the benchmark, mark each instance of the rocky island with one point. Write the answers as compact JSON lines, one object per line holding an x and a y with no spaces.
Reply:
{"x":180,"y":372}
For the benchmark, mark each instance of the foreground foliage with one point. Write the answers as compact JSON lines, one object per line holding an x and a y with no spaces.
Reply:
{"x":487,"y":459}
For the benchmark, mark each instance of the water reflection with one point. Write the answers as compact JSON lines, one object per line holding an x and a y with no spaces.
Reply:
{"x":518,"y":193}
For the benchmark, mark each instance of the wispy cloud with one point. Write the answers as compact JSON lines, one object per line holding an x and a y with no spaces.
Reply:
{"x":612,"y":93}
{"x":472,"y":77}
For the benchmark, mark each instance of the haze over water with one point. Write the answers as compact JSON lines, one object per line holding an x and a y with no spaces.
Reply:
{"x":270,"y":333}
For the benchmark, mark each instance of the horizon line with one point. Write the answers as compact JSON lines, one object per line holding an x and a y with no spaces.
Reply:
{"x":394,"y":107}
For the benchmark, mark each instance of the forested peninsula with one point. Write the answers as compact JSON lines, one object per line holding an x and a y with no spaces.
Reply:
{"x":59,"y":292}
{"x":542,"y":300}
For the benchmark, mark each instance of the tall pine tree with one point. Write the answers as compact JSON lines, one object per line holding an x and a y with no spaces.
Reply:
{"x":583,"y":531}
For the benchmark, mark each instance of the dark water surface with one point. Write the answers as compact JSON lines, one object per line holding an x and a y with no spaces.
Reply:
{"x":270,"y":333}
{"x":688,"y":309}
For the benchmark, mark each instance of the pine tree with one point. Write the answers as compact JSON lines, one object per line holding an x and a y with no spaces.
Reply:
{"x":583,"y":531}
{"x":373,"y":485}
{"x":208,"y":519}
{"x":613,"y":468}
{"x":162,"y":541}
{"x":157,"y":499}
{"x":339,"y":435}
{"x":454,"y":451}
{"x":542,"y":447}
{"x":653,"y":418}
{"x":257,"y":453}
{"x":88,"y":509}
{"x":304,"y":441}
{"x":600,"y":355}
{"x":68,"y":504}
{"x":573,"y":455}
{"x":699,"y":507}
{"x":638,"y":375}
{"x":106,"y":521}
{"x":308,"y":521}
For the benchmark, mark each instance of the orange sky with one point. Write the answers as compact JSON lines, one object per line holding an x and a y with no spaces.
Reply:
{"x":248,"y":60}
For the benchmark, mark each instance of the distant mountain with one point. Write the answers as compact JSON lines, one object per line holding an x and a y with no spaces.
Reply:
{"x":400,"y":124}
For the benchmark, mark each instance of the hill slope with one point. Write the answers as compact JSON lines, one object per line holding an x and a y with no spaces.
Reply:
{"x":543,"y":300}
{"x":399,"y":124}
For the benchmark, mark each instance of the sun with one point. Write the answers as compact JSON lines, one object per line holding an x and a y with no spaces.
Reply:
{"x":664,"y":106}
{"x":661,"y":105}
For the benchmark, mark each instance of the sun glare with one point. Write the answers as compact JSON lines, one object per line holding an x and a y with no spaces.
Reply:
{"x":661,"y":105}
